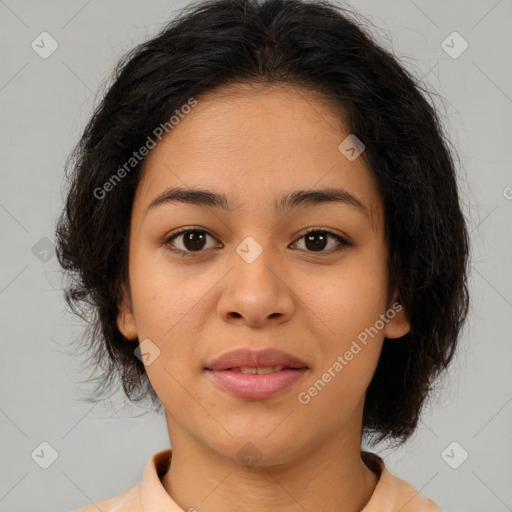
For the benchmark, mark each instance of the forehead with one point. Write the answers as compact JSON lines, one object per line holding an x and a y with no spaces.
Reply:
{"x":255,"y":144}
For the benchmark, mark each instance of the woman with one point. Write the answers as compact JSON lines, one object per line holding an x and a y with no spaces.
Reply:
{"x":264,"y":224}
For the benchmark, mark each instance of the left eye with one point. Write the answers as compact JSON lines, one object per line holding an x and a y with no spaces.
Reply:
{"x":195,"y":239}
{"x":317,"y":239}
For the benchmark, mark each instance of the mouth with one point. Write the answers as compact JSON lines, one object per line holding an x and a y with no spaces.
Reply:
{"x":256,"y":375}
{"x":249,"y":359}
{"x":260,"y":370}
{"x":257,"y":383}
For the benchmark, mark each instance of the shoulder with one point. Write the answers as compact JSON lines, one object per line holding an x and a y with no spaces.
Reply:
{"x":128,"y":501}
{"x":393,"y":493}
{"x":419,"y":503}
{"x":147,"y":494}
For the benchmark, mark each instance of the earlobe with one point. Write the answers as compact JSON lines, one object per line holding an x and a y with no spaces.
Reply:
{"x":126,"y":319}
{"x":398,"y":324}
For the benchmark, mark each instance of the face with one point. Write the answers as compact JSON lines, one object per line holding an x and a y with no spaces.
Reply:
{"x":247,"y":275}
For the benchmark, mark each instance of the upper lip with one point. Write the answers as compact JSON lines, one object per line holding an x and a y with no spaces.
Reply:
{"x":245,"y":358}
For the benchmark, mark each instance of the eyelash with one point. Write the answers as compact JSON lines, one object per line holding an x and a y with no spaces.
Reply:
{"x":344,"y":243}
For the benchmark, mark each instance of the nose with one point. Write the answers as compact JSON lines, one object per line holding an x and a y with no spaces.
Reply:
{"x":256,"y":292}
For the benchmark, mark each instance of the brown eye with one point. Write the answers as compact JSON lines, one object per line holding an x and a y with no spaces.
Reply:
{"x":193,"y":240}
{"x":316,"y":240}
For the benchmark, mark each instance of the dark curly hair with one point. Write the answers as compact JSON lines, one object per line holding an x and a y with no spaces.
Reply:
{"x":317,"y":46}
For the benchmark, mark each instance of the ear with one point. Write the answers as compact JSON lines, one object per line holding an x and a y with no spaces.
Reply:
{"x":398,"y":324}
{"x":125,"y":317}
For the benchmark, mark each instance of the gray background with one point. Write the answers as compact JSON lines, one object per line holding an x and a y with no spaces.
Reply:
{"x":102,"y":449}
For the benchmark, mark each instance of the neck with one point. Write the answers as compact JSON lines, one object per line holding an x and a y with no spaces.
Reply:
{"x":314,"y":480}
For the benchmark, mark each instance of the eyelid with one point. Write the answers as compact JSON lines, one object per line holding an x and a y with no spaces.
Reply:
{"x":325,"y":230}
{"x":343,"y":240}
{"x":168,"y":239}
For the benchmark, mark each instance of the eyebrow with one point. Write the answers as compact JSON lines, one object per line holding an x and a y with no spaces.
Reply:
{"x":291,"y":200}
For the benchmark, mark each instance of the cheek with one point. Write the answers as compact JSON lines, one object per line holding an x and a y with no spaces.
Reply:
{"x":350,"y":350}
{"x":172,"y":308}
{"x":350,"y":310}
{"x":167,"y":298}
{"x":350,"y":299}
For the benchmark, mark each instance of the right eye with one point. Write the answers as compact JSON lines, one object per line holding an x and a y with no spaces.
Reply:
{"x":193,"y":242}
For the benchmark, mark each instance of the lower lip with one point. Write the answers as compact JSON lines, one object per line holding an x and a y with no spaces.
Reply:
{"x":249,"y":385}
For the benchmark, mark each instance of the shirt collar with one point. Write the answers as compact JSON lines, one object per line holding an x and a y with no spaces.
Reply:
{"x":390,"y":494}
{"x":153,"y":496}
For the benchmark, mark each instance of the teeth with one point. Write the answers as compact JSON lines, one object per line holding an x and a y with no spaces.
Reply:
{"x":261,"y":370}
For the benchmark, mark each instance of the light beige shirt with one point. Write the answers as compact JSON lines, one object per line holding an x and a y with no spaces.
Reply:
{"x":149,"y":495}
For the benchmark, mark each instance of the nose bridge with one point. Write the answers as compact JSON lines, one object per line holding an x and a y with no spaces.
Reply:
{"x":257,"y":234}
{"x":256,"y":289}
{"x":257,"y":252}
{"x":253,"y":260}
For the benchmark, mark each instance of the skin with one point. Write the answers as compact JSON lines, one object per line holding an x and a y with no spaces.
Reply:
{"x":255,"y":144}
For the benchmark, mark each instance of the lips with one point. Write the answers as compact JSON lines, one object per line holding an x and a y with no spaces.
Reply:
{"x":255,"y":375}
{"x":242,"y":359}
